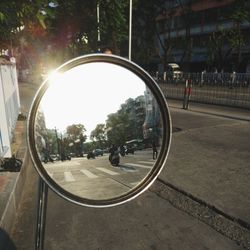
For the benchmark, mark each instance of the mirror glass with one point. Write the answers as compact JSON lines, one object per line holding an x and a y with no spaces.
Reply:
{"x":98,"y":130}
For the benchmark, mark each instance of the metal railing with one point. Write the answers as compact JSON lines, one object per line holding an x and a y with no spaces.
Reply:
{"x":230,"y":89}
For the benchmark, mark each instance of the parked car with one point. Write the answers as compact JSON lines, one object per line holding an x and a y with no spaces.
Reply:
{"x":55,"y":157}
{"x":174,"y":71}
{"x":98,"y":152}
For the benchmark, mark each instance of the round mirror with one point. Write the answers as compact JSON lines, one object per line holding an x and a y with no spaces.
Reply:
{"x":99,"y":130}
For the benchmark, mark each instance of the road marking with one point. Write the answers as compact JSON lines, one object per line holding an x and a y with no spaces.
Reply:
{"x":72,"y":163}
{"x":88,"y":174}
{"x":107,"y":171}
{"x":137,"y":165}
{"x":128,"y":169}
{"x":68,"y":177}
{"x":147,"y":162}
{"x":152,"y":160}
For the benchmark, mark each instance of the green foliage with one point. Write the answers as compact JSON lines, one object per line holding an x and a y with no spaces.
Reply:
{"x":76,"y":137}
{"x":99,"y":136}
{"x":52,"y":141}
{"x":88,"y":146}
{"x":114,"y":23}
{"x":51,"y":32}
{"x":225,"y":41}
{"x":144,"y":30}
{"x":15,"y":14}
{"x":239,"y":11}
{"x":2,"y":17}
{"x":76,"y":131}
{"x":125,"y":125}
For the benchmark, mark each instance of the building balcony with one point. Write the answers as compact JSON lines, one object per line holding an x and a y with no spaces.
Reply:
{"x":203,"y":29}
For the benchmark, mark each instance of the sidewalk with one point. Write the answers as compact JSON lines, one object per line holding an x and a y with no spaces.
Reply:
{"x":210,"y":156}
{"x":11,"y":183}
{"x":209,"y":161}
{"x":216,"y":110}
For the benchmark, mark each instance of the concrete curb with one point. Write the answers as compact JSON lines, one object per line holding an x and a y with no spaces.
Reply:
{"x":20,"y":150}
{"x":10,"y":211}
{"x":233,"y":228}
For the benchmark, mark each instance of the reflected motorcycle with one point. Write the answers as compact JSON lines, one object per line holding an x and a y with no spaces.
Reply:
{"x":114,"y":158}
{"x":122,"y":151}
{"x":90,"y":155}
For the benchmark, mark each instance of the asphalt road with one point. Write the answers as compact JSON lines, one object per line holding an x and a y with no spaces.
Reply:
{"x":202,"y":161}
{"x":148,"y":222}
{"x":97,"y":178}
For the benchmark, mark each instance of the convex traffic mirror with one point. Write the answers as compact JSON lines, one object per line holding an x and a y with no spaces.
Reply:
{"x":89,"y":108}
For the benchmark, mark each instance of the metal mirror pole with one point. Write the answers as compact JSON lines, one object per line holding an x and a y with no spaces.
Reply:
{"x":41,"y":213}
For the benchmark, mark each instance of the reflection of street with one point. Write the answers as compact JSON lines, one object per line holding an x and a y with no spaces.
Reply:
{"x":97,"y":178}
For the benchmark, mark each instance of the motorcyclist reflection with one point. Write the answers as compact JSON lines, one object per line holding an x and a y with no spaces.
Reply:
{"x":122,"y":150}
{"x":114,"y":156}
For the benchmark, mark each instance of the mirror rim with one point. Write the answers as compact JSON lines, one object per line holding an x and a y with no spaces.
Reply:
{"x":166,"y":138}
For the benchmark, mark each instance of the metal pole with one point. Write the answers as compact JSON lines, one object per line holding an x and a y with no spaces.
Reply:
{"x":41,"y":214}
{"x":59,"y":151}
{"x":98,"y":26}
{"x":130,"y":30}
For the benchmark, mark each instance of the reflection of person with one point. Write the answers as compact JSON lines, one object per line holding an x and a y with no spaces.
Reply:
{"x":107,"y":50}
{"x":112,"y":150}
{"x":122,"y":150}
{"x":155,"y":152}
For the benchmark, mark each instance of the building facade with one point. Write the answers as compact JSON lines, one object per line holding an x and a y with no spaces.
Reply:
{"x":205,"y":34}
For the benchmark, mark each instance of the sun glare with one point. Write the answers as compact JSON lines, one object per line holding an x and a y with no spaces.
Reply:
{"x":86,"y":95}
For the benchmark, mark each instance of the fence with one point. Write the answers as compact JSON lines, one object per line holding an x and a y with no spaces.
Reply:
{"x":9,"y":106}
{"x":230,"y":89}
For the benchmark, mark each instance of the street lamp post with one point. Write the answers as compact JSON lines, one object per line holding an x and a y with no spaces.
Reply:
{"x":98,"y":26}
{"x":130,"y":30}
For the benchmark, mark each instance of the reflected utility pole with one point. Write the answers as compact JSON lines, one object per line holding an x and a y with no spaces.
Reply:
{"x":58,"y":144}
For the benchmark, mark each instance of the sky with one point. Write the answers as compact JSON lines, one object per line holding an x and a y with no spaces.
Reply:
{"x":87,"y":93}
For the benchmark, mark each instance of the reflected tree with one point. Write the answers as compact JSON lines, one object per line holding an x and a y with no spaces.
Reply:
{"x":117,"y":124}
{"x":99,"y":136}
{"x":76,"y":138}
{"x":127,"y":123}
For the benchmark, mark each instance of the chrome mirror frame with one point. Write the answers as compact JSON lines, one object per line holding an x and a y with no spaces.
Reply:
{"x":166,"y":138}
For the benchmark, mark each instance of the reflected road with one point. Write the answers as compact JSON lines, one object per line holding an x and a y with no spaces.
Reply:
{"x":97,"y":178}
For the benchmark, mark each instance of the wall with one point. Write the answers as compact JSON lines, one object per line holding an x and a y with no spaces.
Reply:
{"x":9,"y":106}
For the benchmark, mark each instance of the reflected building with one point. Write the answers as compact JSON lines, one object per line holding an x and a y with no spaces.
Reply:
{"x":140,"y":113}
{"x":152,"y":126}
{"x":135,"y":108}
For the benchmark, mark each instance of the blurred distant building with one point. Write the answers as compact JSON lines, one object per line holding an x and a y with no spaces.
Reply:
{"x":136,"y":110}
{"x":152,"y":127}
{"x":205,"y":34}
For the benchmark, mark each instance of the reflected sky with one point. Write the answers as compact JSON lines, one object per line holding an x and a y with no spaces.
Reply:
{"x":87,"y":93}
